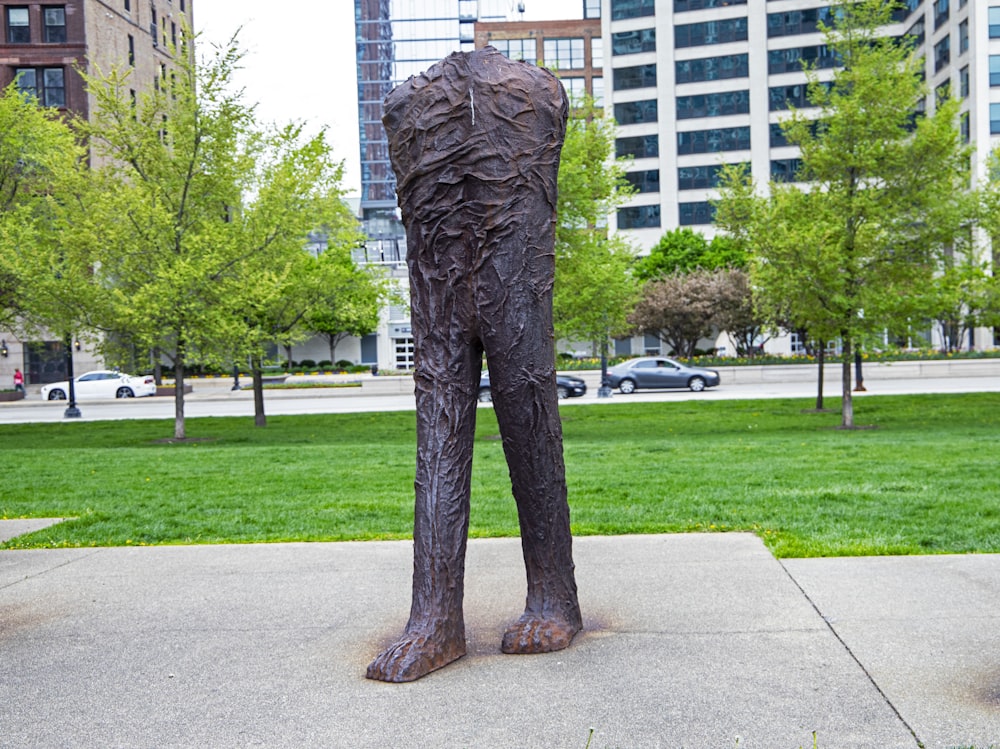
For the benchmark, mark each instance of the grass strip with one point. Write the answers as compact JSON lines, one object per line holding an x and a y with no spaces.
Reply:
{"x":923,"y":479}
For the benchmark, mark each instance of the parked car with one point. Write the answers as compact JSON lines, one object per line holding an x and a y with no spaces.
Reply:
{"x":102,"y":384}
{"x":659,"y":372}
{"x":566,"y":387}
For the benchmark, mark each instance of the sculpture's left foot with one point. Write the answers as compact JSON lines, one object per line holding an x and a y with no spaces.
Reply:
{"x":535,"y":634}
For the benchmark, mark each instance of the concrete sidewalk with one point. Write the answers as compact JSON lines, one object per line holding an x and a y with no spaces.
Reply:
{"x":690,"y":641}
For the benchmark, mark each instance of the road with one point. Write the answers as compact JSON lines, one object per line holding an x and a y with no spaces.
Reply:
{"x":214,"y":398}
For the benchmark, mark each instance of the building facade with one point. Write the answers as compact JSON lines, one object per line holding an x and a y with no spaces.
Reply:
{"x":695,"y":84}
{"x":42,"y":45}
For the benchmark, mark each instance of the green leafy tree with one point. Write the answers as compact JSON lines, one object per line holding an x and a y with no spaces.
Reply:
{"x":349,"y":301}
{"x":594,"y":286}
{"x":683,"y":250}
{"x":861,"y":239}
{"x":38,"y":151}
{"x":198,"y":217}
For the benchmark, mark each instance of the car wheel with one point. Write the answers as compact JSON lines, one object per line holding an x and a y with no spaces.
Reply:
{"x":562,"y":392}
{"x":697,"y":384}
{"x":57,"y":395}
{"x":626,"y":386}
{"x":485,"y":396}
{"x":124,"y":392}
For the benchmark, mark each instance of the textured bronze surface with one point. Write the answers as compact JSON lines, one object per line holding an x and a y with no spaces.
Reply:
{"x":475,"y":144}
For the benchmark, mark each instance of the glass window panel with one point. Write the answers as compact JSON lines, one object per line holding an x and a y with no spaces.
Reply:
{"x":633,"y":42}
{"x":18,"y":30}
{"x":994,"y":20}
{"x":55,"y":25}
{"x":639,"y":217}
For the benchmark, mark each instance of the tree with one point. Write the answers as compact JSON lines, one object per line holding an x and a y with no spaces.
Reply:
{"x":348,"y":302}
{"x":199,"y":217}
{"x":679,"y":309}
{"x":684,"y":250}
{"x":37,"y":151}
{"x":735,"y":313}
{"x":846,"y":254}
{"x":594,"y":287}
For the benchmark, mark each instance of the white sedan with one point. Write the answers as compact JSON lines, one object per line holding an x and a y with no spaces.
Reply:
{"x":102,"y":384}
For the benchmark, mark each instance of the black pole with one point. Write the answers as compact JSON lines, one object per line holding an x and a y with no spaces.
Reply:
{"x":604,"y":391}
{"x":859,"y":380}
{"x":71,"y":412}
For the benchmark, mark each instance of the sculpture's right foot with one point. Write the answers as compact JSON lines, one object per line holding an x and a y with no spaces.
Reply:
{"x":414,"y":655}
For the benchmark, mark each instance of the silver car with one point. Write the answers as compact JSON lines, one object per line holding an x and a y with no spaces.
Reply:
{"x":659,"y":372}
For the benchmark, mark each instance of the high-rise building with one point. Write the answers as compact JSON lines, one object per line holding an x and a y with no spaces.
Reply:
{"x":695,"y":84}
{"x":42,"y":44}
{"x":699,"y":83}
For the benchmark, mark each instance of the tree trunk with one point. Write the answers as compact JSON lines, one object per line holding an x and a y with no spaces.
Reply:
{"x":821,"y":360}
{"x":259,"y":418}
{"x":179,"y":432}
{"x":333,"y":349}
{"x":847,"y":404}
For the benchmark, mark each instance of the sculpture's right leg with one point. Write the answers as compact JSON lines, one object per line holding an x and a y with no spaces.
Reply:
{"x":448,"y":368}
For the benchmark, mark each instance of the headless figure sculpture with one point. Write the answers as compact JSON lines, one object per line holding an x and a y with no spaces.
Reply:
{"x":475,"y":145}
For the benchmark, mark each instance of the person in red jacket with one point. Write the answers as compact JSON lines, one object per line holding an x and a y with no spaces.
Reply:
{"x":18,"y":380}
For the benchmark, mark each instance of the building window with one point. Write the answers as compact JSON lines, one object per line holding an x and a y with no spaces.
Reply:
{"x":964,"y":128}
{"x":691,"y":214}
{"x":917,"y":32}
{"x":942,"y":93}
{"x":995,"y":70}
{"x":576,"y":88}
{"x":963,"y":82}
{"x":564,"y":54}
{"x":516,"y":49}
{"x":713,"y":68}
{"x":684,"y":5}
{"x":48,"y":85}
{"x":710,"y":32}
{"x":18,"y":29}
{"x":596,"y":53}
{"x":785,"y":170}
{"x":699,"y":177}
{"x":713,"y":141}
{"x":646,"y":181}
{"x":55,"y":24}
{"x":597,"y":83}
{"x":995,"y":23}
{"x":183,"y":6}
{"x":131,"y":50}
{"x":633,"y":42}
{"x":942,"y":53}
{"x":963,"y":37}
{"x":941,"y":13}
{"x":783,"y":97}
{"x":622,"y":9}
{"x":796,"y":59}
{"x":713,"y":105}
{"x":639,"y":147}
{"x":994,"y":119}
{"x":154,"y":27}
{"x":639,"y":217}
{"x":639,"y":76}
{"x":128,"y":6}
{"x":636,"y":112}
{"x":591,"y":8}
{"x":794,"y":22}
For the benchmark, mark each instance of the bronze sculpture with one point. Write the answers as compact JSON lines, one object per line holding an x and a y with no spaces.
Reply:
{"x":475,"y":144}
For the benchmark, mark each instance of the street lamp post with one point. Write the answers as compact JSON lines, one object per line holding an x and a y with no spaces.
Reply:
{"x":71,"y":412}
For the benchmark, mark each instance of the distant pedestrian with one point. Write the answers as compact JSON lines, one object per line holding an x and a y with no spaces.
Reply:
{"x":18,"y":381}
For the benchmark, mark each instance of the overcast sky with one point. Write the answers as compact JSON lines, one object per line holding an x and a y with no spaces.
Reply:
{"x":300,"y":61}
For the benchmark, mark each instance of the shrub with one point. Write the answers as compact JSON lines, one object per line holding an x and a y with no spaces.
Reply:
{"x":307,"y":364}
{"x":325,"y":364}
{"x":344,"y":364}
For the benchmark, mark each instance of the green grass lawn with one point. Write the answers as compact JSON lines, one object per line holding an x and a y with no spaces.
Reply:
{"x":924,"y":479}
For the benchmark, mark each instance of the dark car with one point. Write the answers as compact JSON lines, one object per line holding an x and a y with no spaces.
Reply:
{"x":660,"y":372}
{"x":566,"y":387}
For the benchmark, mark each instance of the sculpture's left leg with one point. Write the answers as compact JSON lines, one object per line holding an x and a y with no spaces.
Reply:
{"x":516,"y":327}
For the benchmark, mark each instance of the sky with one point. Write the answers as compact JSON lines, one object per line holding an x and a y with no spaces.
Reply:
{"x":299,"y":62}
